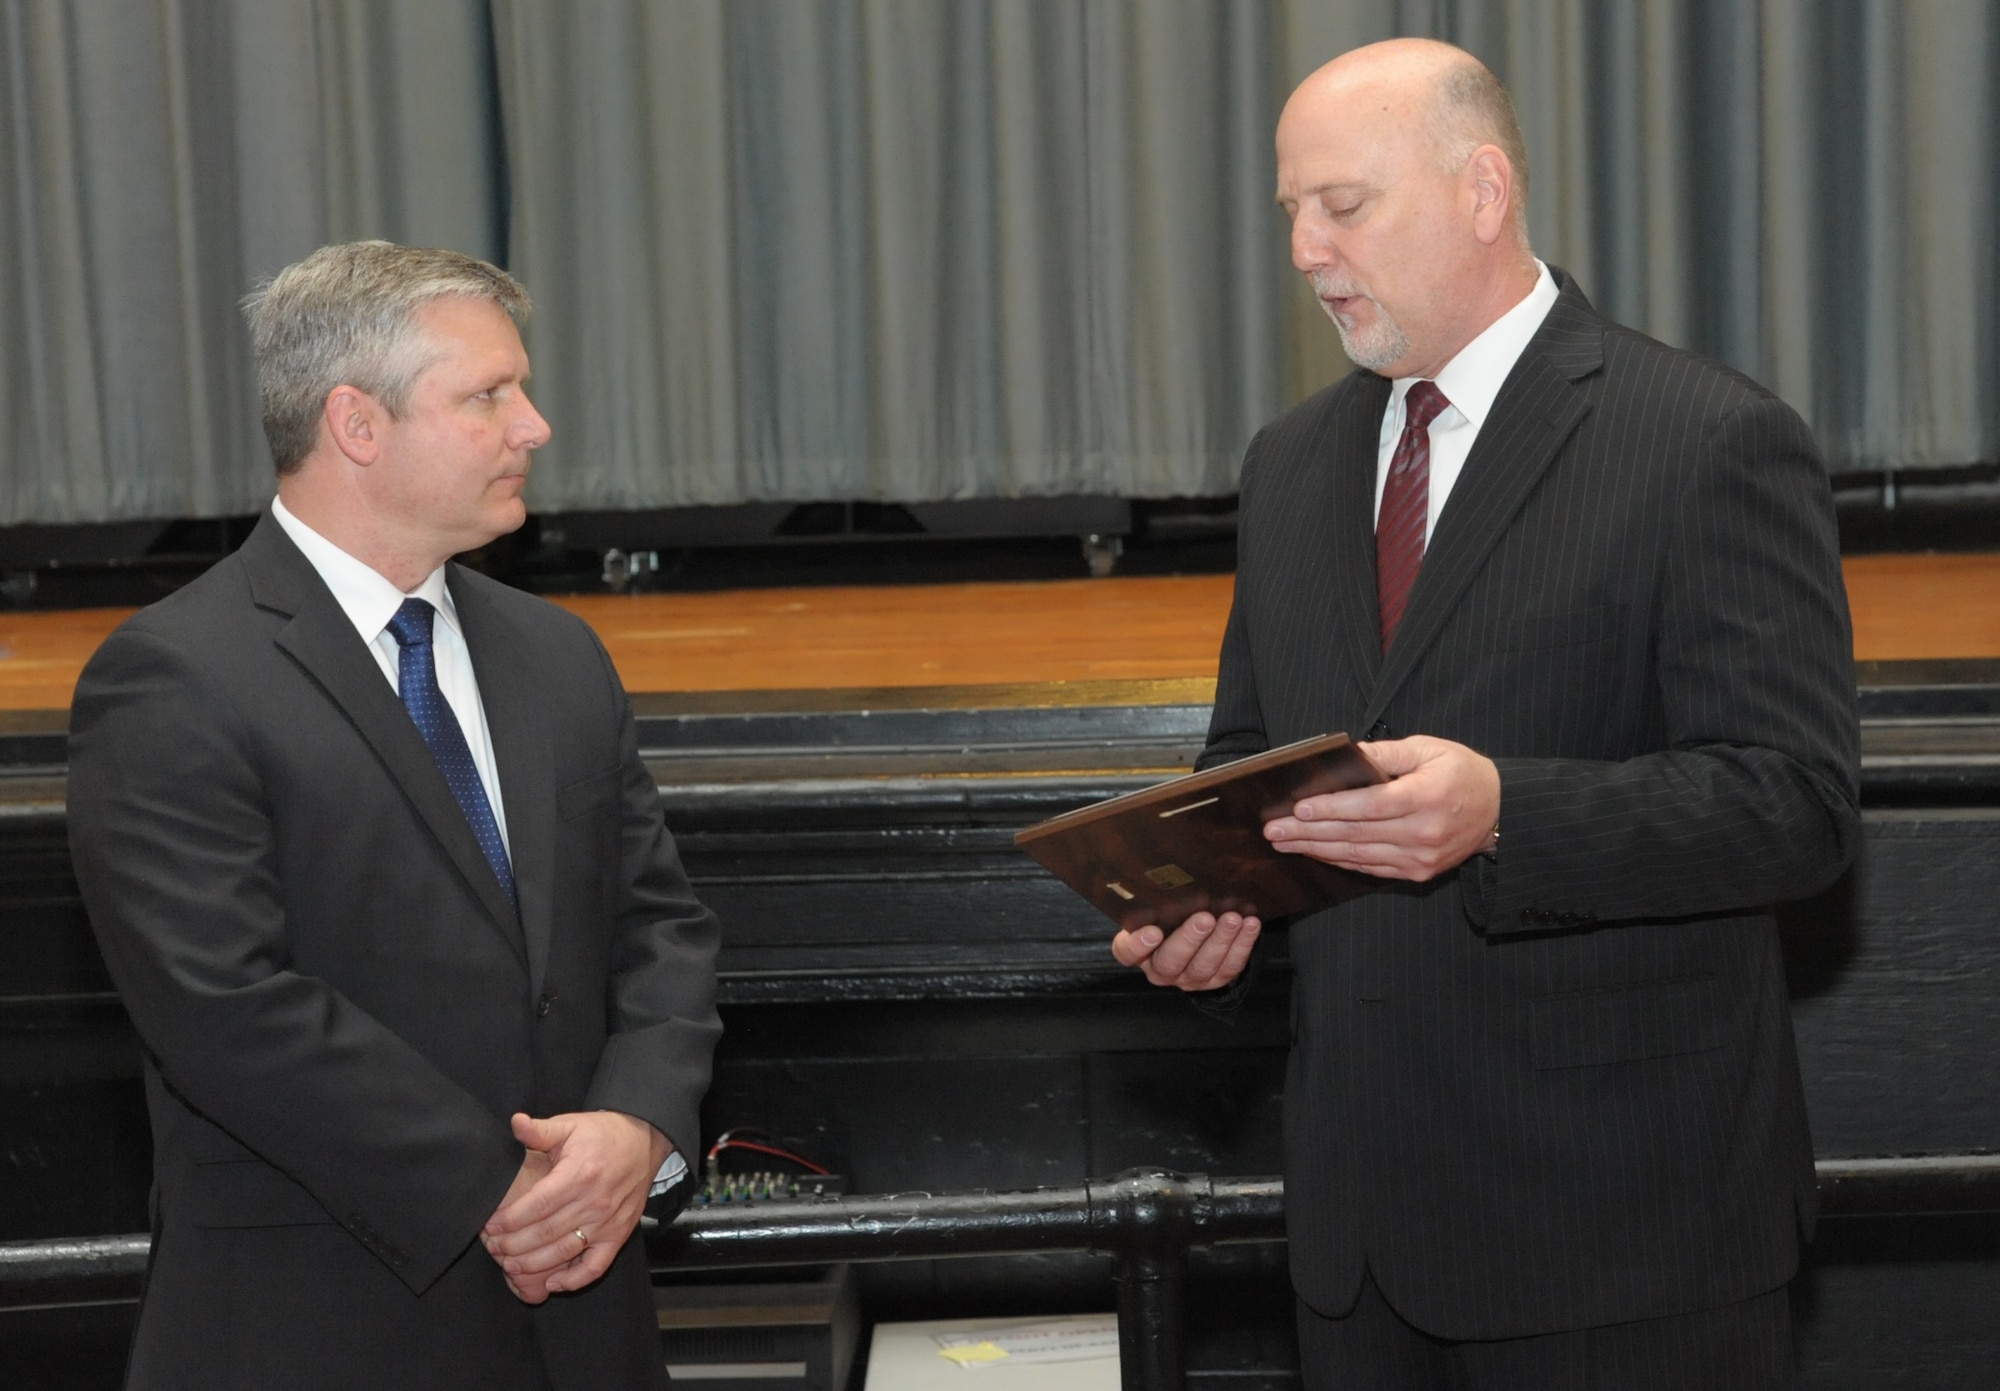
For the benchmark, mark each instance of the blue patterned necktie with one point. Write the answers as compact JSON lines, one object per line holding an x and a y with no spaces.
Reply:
{"x":416,"y":679}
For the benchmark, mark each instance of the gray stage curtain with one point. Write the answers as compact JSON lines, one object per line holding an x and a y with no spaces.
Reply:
{"x":925,"y":249}
{"x":1805,"y":189}
{"x":920,"y":249}
{"x":893,"y":249}
{"x":157,"y":157}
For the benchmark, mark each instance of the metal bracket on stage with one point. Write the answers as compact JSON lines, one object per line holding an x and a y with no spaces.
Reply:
{"x":1146,"y":1219}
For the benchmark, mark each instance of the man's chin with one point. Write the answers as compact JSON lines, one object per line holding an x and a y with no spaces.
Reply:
{"x":1374,"y":351}
{"x":505,"y":516}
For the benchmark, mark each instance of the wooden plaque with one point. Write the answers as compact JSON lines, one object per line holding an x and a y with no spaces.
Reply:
{"x":1197,"y":843}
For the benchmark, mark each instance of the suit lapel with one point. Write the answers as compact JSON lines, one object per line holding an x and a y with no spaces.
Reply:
{"x":1536,"y":411}
{"x":1356,"y":440}
{"x":526,"y":764}
{"x":321,"y":639}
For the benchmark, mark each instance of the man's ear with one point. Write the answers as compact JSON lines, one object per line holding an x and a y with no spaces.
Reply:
{"x":1490,"y":178}
{"x":353,"y":420}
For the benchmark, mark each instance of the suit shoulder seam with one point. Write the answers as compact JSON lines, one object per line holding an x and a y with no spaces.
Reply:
{"x":199,"y":676}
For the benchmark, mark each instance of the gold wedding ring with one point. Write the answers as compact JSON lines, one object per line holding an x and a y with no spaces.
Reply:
{"x":582,"y":1238}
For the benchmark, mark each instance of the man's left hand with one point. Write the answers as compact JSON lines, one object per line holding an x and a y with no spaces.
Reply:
{"x":601,"y":1165}
{"x":1439,"y":810}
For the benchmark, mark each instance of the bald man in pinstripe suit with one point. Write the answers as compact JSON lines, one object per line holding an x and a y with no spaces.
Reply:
{"x":1581,"y":592}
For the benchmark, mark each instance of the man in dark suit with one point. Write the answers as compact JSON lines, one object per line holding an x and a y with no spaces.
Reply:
{"x":1581,"y":593}
{"x":427,"y":1003}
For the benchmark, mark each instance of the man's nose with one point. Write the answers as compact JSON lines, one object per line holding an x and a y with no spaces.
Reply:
{"x":1312,"y":249}
{"x":531,"y":430}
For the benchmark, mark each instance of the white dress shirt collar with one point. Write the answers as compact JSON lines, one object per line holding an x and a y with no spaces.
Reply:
{"x":1471,"y":381}
{"x":1473,"y":378}
{"x":363,"y":593}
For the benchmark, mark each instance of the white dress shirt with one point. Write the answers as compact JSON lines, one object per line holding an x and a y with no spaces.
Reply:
{"x":1469,"y":381}
{"x":369,"y":600}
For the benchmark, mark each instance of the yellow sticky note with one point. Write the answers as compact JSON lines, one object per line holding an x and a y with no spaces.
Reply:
{"x":974,"y":1352}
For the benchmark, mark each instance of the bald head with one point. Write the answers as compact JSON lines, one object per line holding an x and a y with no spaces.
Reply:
{"x":1402,"y":168}
{"x":1443,"y":94}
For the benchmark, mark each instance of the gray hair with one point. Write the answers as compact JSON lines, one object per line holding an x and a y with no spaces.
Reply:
{"x":1471,"y":108}
{"x":346,"y":316}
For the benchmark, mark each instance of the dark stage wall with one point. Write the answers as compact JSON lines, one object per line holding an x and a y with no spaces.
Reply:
{"x":914,"y":1004}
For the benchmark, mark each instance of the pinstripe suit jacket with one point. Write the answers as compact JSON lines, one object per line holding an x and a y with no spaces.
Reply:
{"x":1559,"y":1089}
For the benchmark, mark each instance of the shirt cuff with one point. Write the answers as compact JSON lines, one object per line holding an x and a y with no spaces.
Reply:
{"x":671,"y":1173}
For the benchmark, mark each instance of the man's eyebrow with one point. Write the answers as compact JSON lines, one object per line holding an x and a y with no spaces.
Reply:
{"x":1336,"y":185}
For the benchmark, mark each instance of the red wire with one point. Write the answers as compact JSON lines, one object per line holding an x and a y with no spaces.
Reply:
{"x":723,"y":1140}
{"x":726,"y":1143}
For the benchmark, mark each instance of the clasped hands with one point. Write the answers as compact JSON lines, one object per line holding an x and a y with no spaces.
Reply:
{"x":585,"y":1171}
{"x":1436,"y":812}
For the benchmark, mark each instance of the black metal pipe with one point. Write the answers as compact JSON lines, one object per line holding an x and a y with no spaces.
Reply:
{"x":72,"y":1270}
{"x":1893,"y":1185}
{"x":1149,"y":1323}
{"x":1148,"y":1219}
{"x":887,"y":1227}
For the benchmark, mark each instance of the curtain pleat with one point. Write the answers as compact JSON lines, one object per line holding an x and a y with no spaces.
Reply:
{"x":1804,"y":189}
{"x":917,"y":250}
{"x":951,"y":248}
{"x":156,"y":159}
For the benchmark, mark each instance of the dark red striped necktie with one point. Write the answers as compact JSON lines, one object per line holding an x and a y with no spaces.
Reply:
{"x":1406,"y":504}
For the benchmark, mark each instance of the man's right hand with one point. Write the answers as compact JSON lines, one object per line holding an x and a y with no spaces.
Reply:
{"x":1203,"y":953}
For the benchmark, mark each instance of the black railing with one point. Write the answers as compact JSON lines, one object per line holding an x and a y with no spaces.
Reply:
{"x":1147,"y":1219}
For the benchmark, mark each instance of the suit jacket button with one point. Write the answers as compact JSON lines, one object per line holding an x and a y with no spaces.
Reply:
{"x":1379,"y":730}
{"x":544,"y":1005}
{"x":1527,"y":917}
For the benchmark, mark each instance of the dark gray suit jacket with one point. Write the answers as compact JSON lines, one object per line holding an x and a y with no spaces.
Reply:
{"x":340,"y":1008}
{"x":1559,"y":1089}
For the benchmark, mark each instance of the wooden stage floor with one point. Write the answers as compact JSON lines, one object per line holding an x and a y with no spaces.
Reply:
{"x":1123,"y":640}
